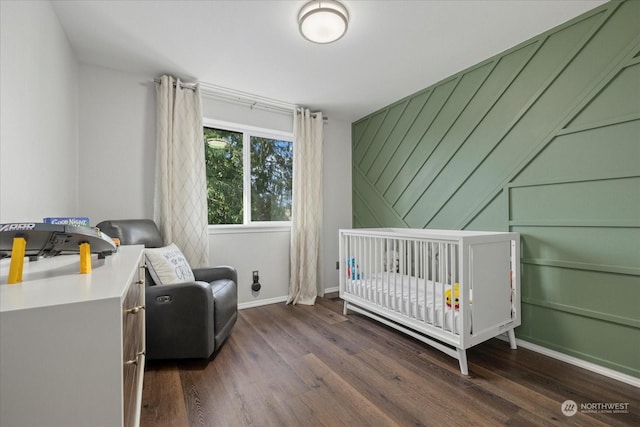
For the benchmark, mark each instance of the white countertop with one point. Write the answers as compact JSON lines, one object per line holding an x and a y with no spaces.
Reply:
{"x":57,"y":280}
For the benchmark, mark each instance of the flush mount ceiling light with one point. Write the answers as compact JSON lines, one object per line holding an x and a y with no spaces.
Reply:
{"x":323,"y":21}
{"x":217,"y":143}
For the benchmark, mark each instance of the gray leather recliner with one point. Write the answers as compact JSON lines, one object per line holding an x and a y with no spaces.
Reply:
{"x":184,"y":320}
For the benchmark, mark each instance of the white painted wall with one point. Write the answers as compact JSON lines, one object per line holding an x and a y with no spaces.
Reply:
{"x":241,"y":114}
{"x":336,"y":194}
{"x":38,"y":115}
{"x":117,"y":155}
{"x":79,"y":140}
{"x":268,"y":251}
{"x":264,"y":250}
{"x":117,"y":144}
{"x":249,"y":249}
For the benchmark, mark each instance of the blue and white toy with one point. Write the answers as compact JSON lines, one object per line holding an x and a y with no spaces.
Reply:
{"x":353,"y":272}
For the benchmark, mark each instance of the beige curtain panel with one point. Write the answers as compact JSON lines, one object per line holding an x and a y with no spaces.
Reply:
{"x":306,"y":272}
{"x":181,"y":188}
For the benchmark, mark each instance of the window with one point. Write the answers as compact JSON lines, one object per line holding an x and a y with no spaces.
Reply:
{"x":223,"y":159}
{"x":249,"y":174}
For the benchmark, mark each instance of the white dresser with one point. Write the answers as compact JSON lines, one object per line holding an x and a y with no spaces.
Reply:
{"x":71,"y":344}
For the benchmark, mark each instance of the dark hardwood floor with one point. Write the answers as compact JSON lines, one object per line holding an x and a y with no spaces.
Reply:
{"x":312,"y":366}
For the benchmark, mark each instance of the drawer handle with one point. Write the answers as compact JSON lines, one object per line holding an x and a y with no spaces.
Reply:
{"x":135,"y":361}
{"x":139,"y":282}
{"x":135,"y":310}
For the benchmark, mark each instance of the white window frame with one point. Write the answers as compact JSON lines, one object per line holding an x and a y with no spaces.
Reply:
{"x":247,"y":132}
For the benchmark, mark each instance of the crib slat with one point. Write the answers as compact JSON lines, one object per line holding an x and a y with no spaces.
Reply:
{"x":416,"y":272}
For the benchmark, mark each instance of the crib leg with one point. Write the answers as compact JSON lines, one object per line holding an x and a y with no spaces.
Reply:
{"x":344,"y":309}
{"x":462,"y":358}
{"x":512,"y":339}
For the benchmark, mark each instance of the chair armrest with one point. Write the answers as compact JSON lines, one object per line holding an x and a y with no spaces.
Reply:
{"x":209,"y":274}
{"x":179,"y":320}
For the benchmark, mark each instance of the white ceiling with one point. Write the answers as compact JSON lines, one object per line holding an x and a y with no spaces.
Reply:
{"x":392,"y":48}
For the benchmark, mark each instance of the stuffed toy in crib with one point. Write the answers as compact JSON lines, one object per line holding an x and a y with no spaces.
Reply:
{"x":456,"y":296}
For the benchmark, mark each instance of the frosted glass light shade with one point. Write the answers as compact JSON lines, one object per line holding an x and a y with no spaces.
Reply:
{"x":323,"y":21}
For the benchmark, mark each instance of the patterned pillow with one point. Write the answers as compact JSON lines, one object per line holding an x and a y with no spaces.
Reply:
{"x":168,"y":265}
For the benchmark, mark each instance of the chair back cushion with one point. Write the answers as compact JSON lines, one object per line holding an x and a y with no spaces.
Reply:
{"x":133,"y":232}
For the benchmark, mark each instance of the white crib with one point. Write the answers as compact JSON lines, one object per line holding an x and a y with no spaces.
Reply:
{"x":402,"y":278}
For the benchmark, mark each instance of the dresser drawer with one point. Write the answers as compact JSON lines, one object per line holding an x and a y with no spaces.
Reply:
{"x":133,"y":346}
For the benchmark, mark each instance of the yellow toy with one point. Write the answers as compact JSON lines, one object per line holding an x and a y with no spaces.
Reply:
{"x":456,"y":294}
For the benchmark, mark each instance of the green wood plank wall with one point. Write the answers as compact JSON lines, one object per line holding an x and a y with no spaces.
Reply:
{"x":543,"y":139}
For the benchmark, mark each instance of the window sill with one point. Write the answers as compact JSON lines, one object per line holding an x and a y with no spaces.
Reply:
{"x":280,"y":227}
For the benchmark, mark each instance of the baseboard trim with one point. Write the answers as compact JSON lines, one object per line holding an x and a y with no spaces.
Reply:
{"x":607,"y":372}
{"x":261,"y":302}
{"x":276,"y":300}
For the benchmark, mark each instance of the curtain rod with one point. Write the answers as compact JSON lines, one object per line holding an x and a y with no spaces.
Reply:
{"x":189,"y":86}
{"x":242,"y":98}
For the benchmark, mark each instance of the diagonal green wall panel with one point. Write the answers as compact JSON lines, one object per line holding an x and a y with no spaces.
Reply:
{"x":405,"y":155}
{"x":620,"y":99}
{"x":605,"y":151}
{"x":493,"y":216}
{"x":380,"y":209}
{"x":613,"y":247}
{"x":380,"y":139}
{"x":368,"y":133}
{"x":413,"y":180}
{"x":401,"y":131}
{"x":445,"y":114}
{"x":594,"y":202}
{"x":581,"y":292}
{"x":357,"y":131}
{"x":503,"y":137}
{"x":543,"y":139}
{"x":580,"y":336}
{"x":366,"y":217}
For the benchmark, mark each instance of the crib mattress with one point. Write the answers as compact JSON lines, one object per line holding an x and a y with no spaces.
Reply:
{"x":410,"y":296}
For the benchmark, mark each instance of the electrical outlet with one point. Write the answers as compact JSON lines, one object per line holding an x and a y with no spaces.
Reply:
{"x":256,"y":286}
